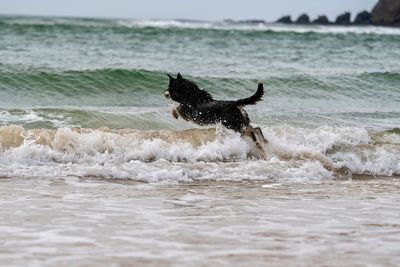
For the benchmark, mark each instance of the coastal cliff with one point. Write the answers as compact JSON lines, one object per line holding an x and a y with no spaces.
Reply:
{"x":385,"y":13}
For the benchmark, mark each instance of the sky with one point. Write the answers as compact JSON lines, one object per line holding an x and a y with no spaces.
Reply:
{"x":268,"y":10}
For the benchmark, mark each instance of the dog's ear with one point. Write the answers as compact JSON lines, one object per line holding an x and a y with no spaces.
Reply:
{"x":179,"y":77}
{"x":170,"y":77}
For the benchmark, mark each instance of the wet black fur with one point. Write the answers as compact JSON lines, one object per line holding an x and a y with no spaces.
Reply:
{"x":198,"y":106}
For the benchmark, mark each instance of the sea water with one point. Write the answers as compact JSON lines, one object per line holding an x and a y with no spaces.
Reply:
{"x":96,"y":171}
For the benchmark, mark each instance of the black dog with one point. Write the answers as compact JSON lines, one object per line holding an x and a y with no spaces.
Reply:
{"x":198,"y":106}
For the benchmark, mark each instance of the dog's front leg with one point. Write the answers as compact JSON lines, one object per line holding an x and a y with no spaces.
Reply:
{"x":175,"y":113}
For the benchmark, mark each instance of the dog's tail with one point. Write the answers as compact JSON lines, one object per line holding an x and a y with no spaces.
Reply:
{"x":254,"y":98}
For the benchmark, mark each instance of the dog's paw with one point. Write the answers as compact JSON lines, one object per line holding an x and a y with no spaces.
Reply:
{"x":175,"y":114}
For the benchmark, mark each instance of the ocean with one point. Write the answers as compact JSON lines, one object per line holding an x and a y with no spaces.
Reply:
{"x":95,"y":171}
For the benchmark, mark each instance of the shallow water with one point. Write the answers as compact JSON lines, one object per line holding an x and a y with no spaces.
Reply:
{"x":71,"y":221}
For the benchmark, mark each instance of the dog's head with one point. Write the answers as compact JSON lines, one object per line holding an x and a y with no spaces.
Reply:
{"x":185,"y":92}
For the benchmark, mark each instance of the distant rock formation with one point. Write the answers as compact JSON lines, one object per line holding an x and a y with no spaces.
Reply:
{"x":386,"y":12}
{"x":343,"y":19}
{"x":303,"y":19}
{"x":285,"y":19}
{"x":322,"y":20}
{"x":363,"y":18}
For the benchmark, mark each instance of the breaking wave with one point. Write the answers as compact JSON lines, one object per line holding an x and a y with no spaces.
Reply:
{"x":172,"y":156}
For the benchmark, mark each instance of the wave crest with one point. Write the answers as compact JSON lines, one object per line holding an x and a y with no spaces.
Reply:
{"x":293,"y":154}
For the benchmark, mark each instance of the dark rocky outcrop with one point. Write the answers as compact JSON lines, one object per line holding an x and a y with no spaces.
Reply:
{"x":303,"y":19}
{"x":386,"y":12}
{"x":363,"y":18}
{"x":285,"y":19}
{"x":322,"y":20}
{"x":343,"y":19}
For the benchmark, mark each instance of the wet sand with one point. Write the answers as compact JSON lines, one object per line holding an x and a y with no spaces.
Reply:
{"x":93,"y":222}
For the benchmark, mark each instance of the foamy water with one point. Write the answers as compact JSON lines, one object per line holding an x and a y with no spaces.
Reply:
{"x":75,"y":222}
{"x":293,"y":154}
{"x":260,"y":27}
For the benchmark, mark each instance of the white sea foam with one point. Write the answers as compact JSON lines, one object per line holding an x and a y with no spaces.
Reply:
{"x":293,"y":154}
{"x":166,"y":24}
{"x":30,"y":116}
{"x":21,"y":117}
{"x":219,"y":25}
{"x":335,"y":29}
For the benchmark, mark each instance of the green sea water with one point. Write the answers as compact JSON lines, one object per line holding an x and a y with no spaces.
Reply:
{"x":93,"y":72}
{"x":334,"y":91}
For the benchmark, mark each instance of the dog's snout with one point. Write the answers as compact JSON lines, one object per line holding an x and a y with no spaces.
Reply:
{"x":167,"y":94}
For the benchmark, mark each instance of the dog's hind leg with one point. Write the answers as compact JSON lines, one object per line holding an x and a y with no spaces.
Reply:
{"x":260,"y":134}
{"x":257,"y":139}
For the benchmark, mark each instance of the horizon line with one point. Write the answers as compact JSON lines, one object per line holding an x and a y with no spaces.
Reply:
{"x":165,"y":19}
